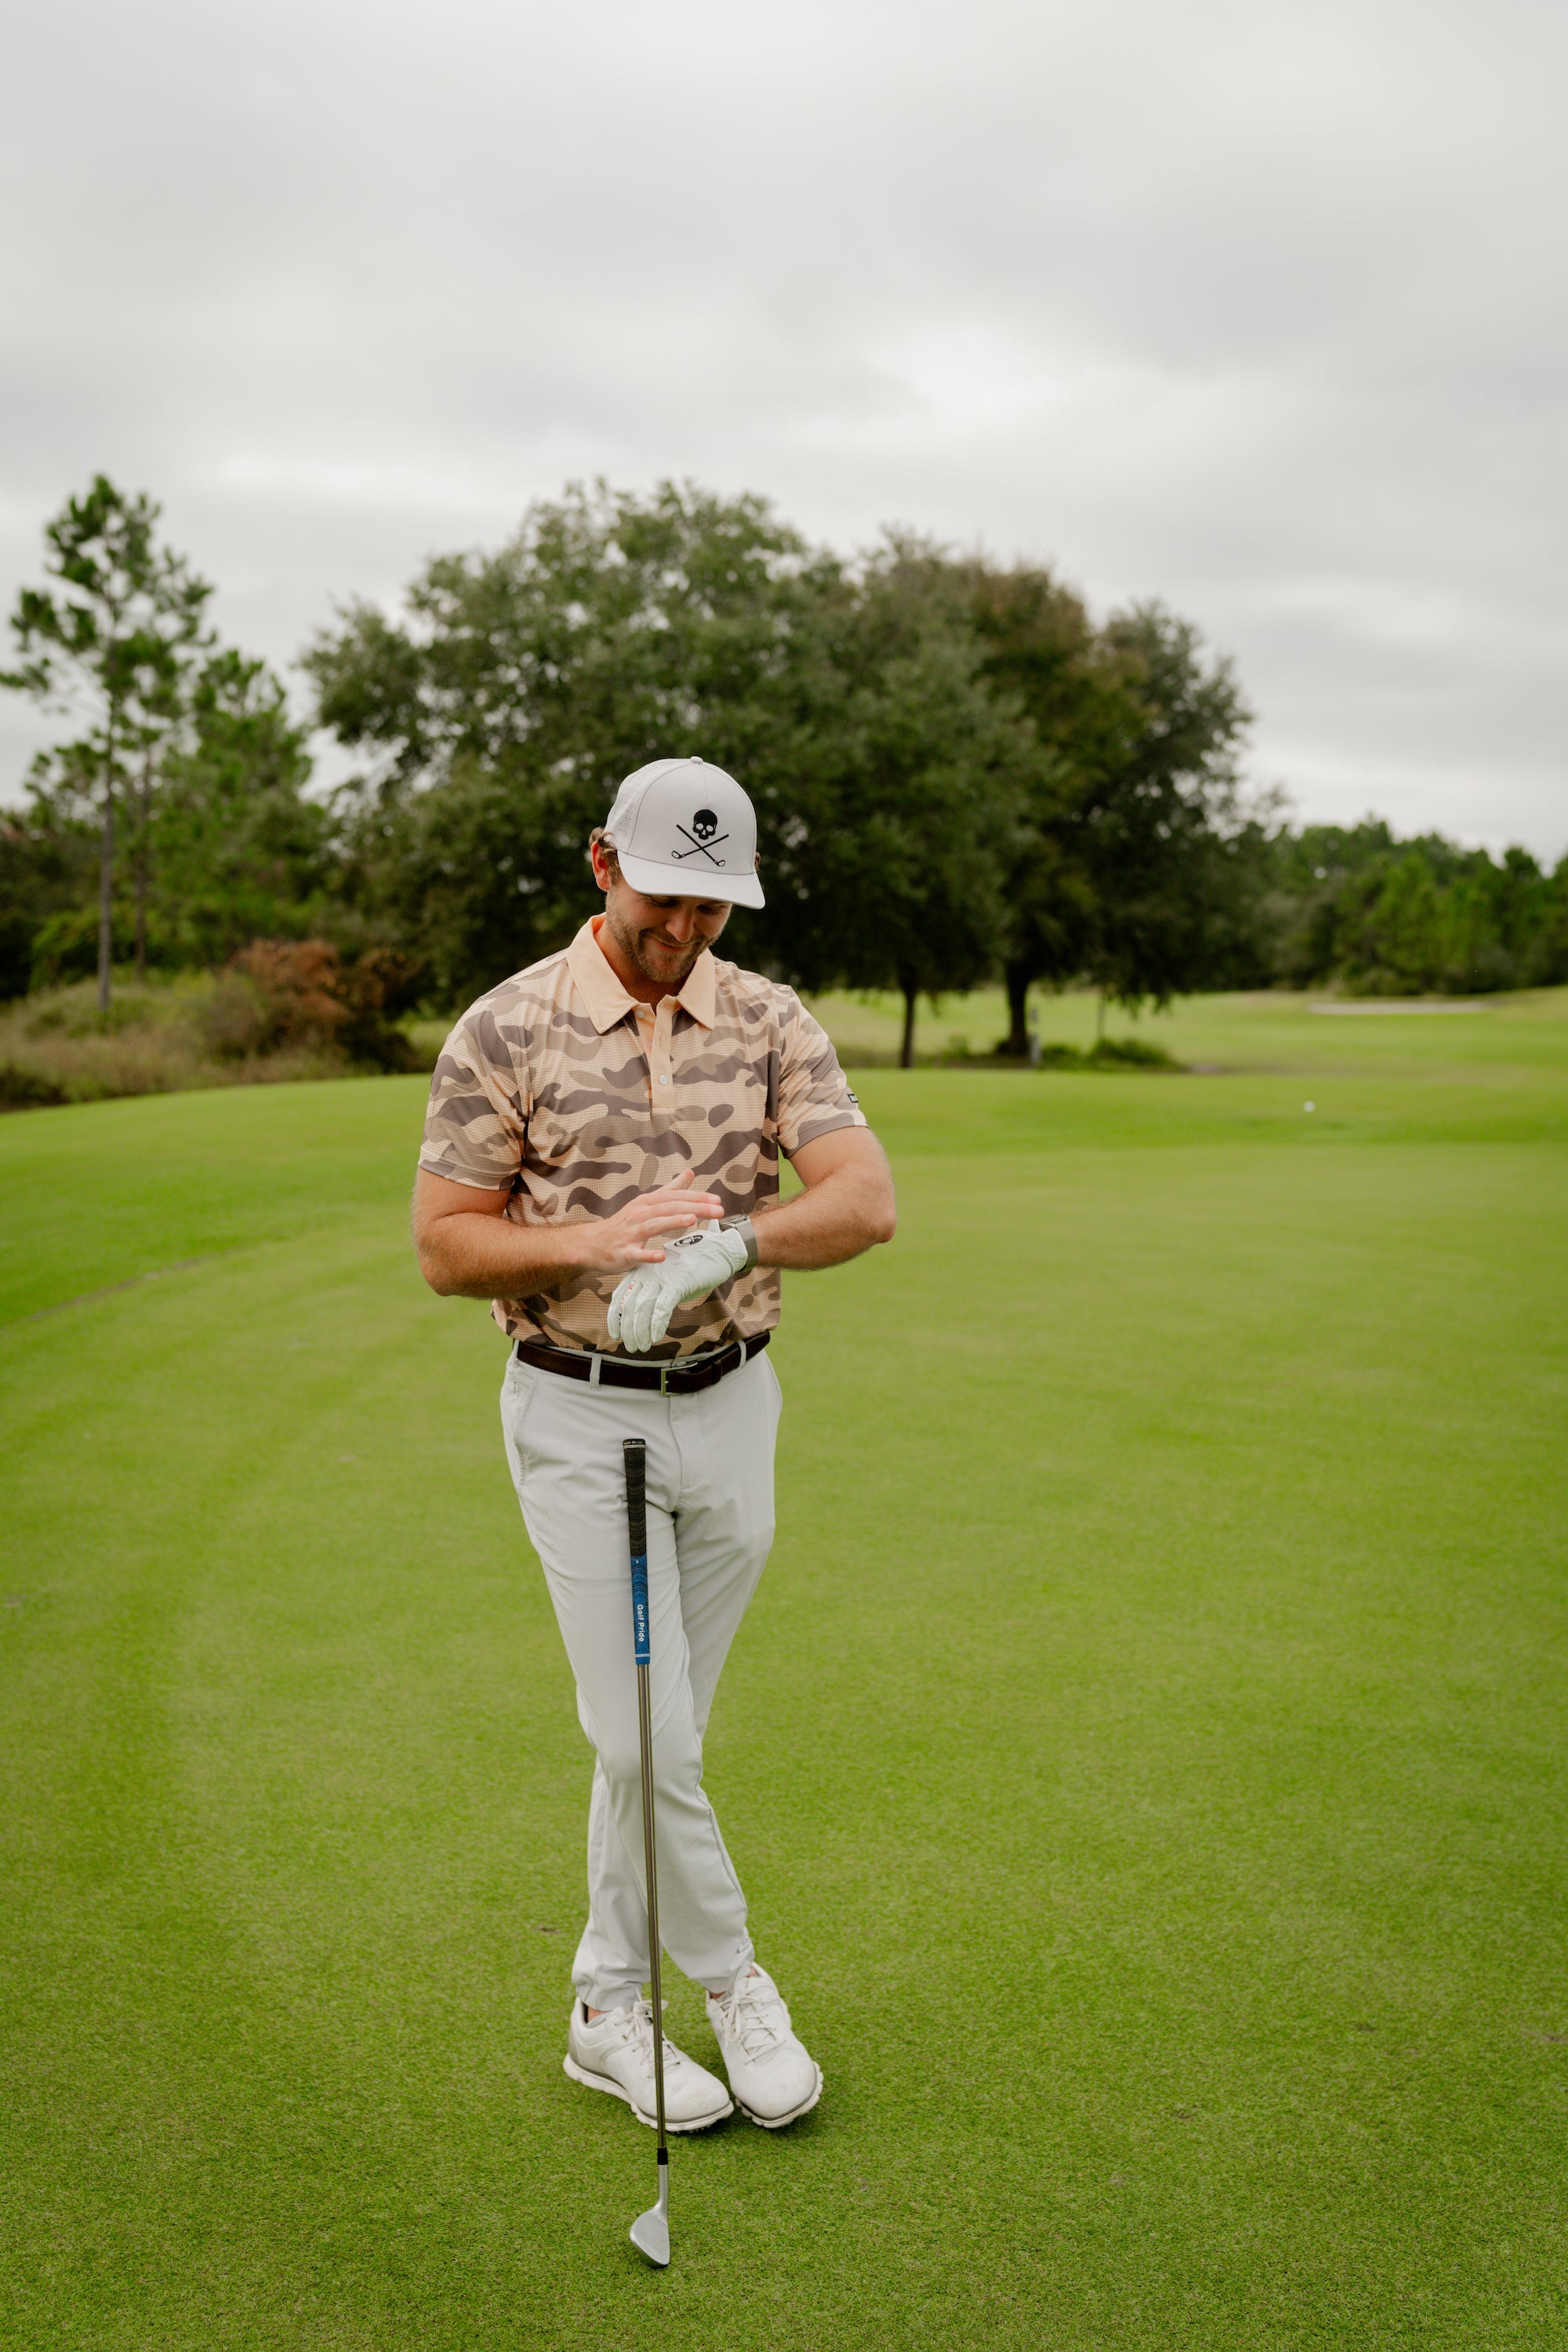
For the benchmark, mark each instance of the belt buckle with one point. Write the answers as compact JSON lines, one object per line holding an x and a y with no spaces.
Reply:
{"x":735,"y":1347}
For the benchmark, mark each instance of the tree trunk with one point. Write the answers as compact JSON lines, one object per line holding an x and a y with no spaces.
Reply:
{"x":145,"y":796}
{"x":106,"y":904}
{"x":906,"y":1051}
{"x":1018,"y":1039}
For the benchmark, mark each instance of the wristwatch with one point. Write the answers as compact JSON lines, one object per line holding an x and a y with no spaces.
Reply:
{"x":748,"y":1233}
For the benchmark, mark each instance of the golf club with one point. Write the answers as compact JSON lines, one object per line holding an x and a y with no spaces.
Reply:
{"x":650,"y":2230}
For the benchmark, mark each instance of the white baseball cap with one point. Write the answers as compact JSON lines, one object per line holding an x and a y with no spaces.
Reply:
{"x":683,"y":829}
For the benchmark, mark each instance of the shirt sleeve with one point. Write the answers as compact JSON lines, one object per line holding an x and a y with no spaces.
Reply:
{"x":476,"y":1123}
{"x":813,"y":1095}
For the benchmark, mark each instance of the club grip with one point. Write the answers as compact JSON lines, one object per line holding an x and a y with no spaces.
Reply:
{"x":636,"y":1453}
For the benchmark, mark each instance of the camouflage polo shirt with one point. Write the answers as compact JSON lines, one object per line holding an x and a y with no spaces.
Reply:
{"x":561,"y":1086}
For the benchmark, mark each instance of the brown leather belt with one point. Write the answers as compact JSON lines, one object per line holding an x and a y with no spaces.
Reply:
{"x":679,"y":1376}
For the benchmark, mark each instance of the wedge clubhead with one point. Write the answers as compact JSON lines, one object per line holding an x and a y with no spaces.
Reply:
{"x":650,"y":2230}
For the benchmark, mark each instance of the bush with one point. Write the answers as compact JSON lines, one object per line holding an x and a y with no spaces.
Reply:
{"x":1107,"y":1054}
{"x":277,"y":993}
{"x":1128,"y":1054}
{"x":275,"y":1015}
{"x":23,"y":1090}
{"x":289,"y":995}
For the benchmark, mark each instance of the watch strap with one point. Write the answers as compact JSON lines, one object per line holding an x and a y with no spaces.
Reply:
{"x":743,"y":1227}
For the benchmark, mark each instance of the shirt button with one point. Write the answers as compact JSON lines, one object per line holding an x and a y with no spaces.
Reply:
{"x":664,"y":1082}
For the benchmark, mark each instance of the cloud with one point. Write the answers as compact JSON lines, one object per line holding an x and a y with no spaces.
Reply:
{"x":1257,"y":308}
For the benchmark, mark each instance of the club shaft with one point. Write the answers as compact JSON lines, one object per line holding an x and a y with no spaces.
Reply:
{"x":650,"y":1866}
{"x":636,"y":1456}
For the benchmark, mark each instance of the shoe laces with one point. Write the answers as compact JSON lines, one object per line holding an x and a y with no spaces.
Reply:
{"x":756,"y":2016}
{"x":638,"y":2028}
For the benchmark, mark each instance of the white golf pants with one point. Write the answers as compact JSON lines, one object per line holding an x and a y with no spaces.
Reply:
{"x":709,"y":1527}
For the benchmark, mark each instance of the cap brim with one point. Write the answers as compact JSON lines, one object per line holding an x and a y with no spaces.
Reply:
{"x":681,"y":882}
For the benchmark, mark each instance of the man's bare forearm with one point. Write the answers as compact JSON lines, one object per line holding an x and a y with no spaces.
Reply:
{"x":469,"y":1248}
{"x":481,"y":1256}
{"x":840,"y":1217}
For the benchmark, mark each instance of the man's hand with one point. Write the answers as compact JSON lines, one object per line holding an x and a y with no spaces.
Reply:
{"x":631,"y":1237}
{"x":469,"y":1248}
{"x":691,"y":1267}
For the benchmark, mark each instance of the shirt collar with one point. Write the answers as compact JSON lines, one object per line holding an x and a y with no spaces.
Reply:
{"x":697,"y":991}
{"x":608,"y":1002}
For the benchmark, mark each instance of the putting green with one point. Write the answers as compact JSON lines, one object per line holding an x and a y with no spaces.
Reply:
{"x":1146,"y":1757}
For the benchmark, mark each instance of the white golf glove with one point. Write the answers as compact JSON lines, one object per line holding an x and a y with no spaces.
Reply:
{"x":698,"y":1263}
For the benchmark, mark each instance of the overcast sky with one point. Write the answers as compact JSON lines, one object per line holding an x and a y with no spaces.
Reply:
{"x":1259,"y":309}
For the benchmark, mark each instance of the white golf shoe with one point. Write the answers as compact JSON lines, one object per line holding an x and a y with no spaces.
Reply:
{"x":615,"y":2053}
{"x":774,"y":2076}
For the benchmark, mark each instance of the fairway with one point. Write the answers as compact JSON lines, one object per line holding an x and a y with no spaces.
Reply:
{"x":1147,"y":1756}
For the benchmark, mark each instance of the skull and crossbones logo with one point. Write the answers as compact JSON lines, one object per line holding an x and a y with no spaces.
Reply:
{"x":704,"y":835}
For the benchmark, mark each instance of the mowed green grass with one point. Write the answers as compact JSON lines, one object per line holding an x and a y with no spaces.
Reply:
{"x":1453,"y":1039}
{"x":1146,"y":1755}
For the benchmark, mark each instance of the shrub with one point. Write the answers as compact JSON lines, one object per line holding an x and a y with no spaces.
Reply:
{"x":279,"y":992}
{"x":1108,"y":1054}
{"x":197,"y":1030}
{"x":291,"y":996}
{"x":1129,"y":1054}
{"x":22,"y":1089}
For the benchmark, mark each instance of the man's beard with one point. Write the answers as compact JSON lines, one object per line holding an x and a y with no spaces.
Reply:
{"x":671,"y":972}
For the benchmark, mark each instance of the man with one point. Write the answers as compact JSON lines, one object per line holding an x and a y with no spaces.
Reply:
{"x":601,"y":1161}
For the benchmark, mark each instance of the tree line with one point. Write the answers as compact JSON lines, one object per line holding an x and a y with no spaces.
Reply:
{"x":959,"y":774}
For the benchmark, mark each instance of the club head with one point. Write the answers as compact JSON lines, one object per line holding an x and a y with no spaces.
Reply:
{"x":650,"y":2230}
{"x":650,"y":2235}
